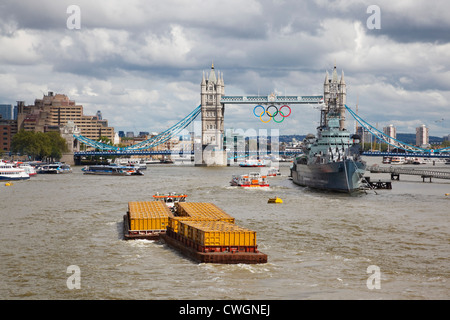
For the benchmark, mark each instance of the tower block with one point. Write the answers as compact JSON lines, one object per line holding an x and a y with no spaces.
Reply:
{"x":212,"y":110}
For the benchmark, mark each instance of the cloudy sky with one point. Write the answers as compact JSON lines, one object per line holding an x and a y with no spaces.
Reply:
{"x":140,"y":62}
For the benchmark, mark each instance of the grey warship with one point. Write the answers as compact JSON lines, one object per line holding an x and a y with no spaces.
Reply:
{"x":331,"y":160}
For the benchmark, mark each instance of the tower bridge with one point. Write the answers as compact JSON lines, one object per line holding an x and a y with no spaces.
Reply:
{"x":210,"y":151}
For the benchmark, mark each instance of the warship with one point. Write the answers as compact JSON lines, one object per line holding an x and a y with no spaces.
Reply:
{"x":331,"y":159}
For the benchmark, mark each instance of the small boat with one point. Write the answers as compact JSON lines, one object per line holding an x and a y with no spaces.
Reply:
{"x":275,"y":200}
{"x":273,"y":172}
{"x":9,"y":171}
{"x":386,"y":160}
{"x":253,"y":179}
{"x":398,"y":160}
{"x":252,"y":163}
{"x":417,"y":161}
{"x":112,"y":170}
{"x":170,"y":199}
{"x":55,"y":168}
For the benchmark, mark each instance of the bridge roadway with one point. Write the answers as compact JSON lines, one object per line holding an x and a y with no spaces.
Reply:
{"x":173,"y":152}
{"x":289,"y":152}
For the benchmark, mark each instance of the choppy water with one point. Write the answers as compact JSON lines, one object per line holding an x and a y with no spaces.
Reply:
{"x":319,"y":244}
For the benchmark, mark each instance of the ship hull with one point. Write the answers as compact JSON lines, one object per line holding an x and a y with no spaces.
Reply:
{"x":342,"y":176}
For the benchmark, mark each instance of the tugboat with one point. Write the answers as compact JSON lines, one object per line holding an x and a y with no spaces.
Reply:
{"x":331,"y":160}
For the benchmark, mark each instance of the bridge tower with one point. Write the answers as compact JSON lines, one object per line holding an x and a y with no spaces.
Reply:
{"x":335,"y":95}
{"x":212,"y":90}
{"x":73,"y":145}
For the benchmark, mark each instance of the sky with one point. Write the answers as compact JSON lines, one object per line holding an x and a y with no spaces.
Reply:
{"x":141,"y":62}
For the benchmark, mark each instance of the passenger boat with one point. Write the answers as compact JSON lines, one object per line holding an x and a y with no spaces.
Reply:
{"x":9,"y":171}
{"x":55,"y":168}
{"x":28,"y":169}
{"x":417,"y":161}
{"x":112,"y":170}
{"x":252,"y":163}
{"x":253,"y":179}
{"x":398,"y":160}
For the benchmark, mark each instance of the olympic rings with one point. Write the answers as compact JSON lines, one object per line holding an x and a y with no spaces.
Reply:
{"x":272,"y":115}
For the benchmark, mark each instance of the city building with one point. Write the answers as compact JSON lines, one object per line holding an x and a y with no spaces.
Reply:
{"x":422,"y":138}
{"x":8,"y":128}
{"x":391,"y":132}
{"x":366,"y":136}
{"x":6,"y":111}
{"x":55,"y":110}
{"x":446,"y":138}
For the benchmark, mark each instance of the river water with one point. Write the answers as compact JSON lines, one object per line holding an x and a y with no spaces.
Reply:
{"x":319,"y":244}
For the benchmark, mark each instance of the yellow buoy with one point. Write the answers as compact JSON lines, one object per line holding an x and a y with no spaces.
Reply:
{"x":8,"y":184}
{"x":447,"y":194}
{"x":275,"y":200}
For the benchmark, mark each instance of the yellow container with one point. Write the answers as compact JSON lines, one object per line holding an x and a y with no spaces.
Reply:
{"x":202,"y":210}
{"x":148,"y":215}
{"x":217,"y":233}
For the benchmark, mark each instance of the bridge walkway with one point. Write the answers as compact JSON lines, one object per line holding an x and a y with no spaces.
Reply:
{"x":395,"y":172}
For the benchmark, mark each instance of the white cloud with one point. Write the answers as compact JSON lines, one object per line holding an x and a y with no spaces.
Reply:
{"x":141,"y":62}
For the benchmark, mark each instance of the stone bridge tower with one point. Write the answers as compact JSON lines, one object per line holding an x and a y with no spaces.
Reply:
{"x":73,"y":145}
{"x":335,"y":92}
{"x":212,"y":110}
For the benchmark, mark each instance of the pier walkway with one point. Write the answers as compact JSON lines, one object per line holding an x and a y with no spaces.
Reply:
{"x":395,"y":172}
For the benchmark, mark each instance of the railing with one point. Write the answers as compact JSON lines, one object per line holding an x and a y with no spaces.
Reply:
{"x":410,"y":171}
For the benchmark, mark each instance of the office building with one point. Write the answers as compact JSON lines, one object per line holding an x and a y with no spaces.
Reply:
{"x":55,"y":110}
{"x":422,"y":139}
{"x":6,"y":111}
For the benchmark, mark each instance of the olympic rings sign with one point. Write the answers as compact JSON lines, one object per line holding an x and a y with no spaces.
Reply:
{"x":272,"y":111}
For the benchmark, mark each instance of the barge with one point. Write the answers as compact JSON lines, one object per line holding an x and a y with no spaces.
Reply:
{"x":202,"y":231}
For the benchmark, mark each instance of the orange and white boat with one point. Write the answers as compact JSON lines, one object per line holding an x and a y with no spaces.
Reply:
{"x":170,"y":199}
{"x":253,"y":179}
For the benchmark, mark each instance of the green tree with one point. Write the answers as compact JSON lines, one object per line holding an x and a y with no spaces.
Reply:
{"x":58,"y":145}
{"x":39,"y":145}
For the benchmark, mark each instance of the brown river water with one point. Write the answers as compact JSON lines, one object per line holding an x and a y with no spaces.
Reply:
{"x":319,"y":244}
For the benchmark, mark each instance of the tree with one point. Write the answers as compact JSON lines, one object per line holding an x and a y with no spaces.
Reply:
{"x":39,"y":145}
{"x":58,"y":145}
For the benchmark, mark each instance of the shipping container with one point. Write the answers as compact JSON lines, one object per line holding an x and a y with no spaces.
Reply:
{"x":148,"y":215}
{"x":217,"y":233}
{"x":202,"y":210}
